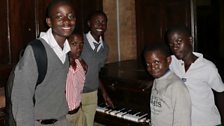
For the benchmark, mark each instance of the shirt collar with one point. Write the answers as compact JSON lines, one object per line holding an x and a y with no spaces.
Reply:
{"x":165,"y":75}
{"x":91,"y":40}
{"x":50,"y":40}
{"x":48,"y":36}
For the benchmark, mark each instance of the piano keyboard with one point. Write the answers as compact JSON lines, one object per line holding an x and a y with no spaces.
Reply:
{"x":124,"y":113}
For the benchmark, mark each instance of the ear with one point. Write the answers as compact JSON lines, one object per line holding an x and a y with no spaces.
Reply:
{"x":169,"y":59}
{"x":48,"y":21}
{"x":88,"y":23}
{"x":190,"y":40}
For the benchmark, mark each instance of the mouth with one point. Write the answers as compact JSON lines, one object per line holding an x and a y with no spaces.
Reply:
{"x":99,"y":30}
{"x":153,"y":72}
{"x":66,"y":28}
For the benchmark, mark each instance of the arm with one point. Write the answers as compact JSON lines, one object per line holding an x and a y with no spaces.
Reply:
{"x":23,"y":89}
{"x":216,"y":83}
{"x":107,"y":99}
{"x":220,"y":102}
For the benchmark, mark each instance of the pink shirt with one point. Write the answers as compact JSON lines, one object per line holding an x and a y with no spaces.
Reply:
{"x":74,"y":85}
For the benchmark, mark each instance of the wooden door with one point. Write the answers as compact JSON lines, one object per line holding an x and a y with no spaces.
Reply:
{"x":153,"y":17}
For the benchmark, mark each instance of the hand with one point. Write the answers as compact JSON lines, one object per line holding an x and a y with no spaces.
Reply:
{"x":108,"y":101}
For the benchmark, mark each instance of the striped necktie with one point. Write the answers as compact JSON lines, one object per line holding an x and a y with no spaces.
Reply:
{"x":96,"y":46}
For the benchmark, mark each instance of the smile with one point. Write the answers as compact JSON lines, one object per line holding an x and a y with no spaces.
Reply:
{"x":99,"y":30}
{"x":66,"y":28}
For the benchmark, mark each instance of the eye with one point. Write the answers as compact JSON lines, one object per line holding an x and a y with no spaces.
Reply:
{"x":59,"y":17}
{"x":73,"y":44}
{"x":157,"y":62}
{"x":71,"y":16}
{"x":179,"y":41}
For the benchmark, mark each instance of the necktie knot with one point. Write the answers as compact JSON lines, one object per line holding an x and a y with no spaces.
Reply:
{"x":96,"y":46}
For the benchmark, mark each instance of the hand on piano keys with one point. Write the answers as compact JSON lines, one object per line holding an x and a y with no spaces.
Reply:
{"x":127,"y":114}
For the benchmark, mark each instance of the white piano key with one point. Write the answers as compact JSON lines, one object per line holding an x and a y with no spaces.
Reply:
{"x":114,"y":113}
{"x":124,"y":113}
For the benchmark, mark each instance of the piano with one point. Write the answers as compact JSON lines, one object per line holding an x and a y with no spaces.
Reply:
{"x":128,"y":85}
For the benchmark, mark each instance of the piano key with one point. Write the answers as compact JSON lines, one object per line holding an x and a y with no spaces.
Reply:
{"x":143,"y":116}
{"x":121,"y":114}
{"x":127,"y":114}
{"x":115,"y":112}
{"x":142,"y":119}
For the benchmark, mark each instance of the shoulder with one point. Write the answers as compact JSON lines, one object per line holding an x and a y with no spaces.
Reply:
{"x":203,"y":62}
{"x":176,"y":82}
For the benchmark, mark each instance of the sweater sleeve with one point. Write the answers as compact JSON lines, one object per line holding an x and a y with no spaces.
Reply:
{"x":181,"y":105}
{"x":23,"y":89}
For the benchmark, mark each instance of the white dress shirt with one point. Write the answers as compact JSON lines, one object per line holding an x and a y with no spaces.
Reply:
{"x":49,"y":38}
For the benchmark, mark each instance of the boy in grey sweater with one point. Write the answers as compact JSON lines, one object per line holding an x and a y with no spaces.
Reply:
{"x":50,"y":105}
{"x":170,"y":101}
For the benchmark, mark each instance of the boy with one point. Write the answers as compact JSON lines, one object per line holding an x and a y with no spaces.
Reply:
{"x":94,"y":53}
{"x":75,"y":81}
{"x":170,"y":102}
{"x":199,"y":75}
{"x":50,"y":107}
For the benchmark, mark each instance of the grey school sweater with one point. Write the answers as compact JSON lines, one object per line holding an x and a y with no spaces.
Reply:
{"x":170,"y":102}
{"x":95,"y":62}
{"x":49,"y":95}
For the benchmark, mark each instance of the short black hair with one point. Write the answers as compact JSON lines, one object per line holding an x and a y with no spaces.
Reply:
{"x":96,"y":13}
{"x":53,"y":3}
{"x":181,"y":29}
{"x":74,"y":33}
{"x":158,"y":46}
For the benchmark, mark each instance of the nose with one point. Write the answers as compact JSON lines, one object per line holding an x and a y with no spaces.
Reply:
{"x":66,"y":20}
{"x":174,"y":46}
{"x":152,"y":66}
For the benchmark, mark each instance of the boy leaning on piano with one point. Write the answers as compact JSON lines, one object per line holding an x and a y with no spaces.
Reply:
{"x":170,"y":101}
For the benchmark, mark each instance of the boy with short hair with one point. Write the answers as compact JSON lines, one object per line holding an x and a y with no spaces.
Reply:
{"x":170,"y":102}
{"x":50,"y":107}
{"x":95,"y":51}
{"x":199,"y":75}
{"x":75,"y":81}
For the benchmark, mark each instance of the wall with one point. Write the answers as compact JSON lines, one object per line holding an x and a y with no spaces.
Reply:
{"x":121,"y":32}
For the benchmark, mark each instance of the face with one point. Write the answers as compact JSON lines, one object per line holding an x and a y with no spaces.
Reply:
{"x":62,"y":20}
{"x":180,"y":45}
{"x":157,"y":63}
{"x":97,"y":25}
{"x":76,"y":44}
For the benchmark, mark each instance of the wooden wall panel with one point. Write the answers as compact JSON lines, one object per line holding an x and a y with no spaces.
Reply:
{"x":153,"y":18}
{"x":4,"y":45}
{"x":178,"y":13}
{"x":21,"y":25}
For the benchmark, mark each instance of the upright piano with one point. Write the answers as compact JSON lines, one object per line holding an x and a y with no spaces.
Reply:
{"x":128,"y":85}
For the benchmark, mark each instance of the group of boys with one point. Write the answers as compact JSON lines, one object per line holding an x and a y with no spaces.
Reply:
{"x":68,"y":94}
{"x":181,"y":93}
